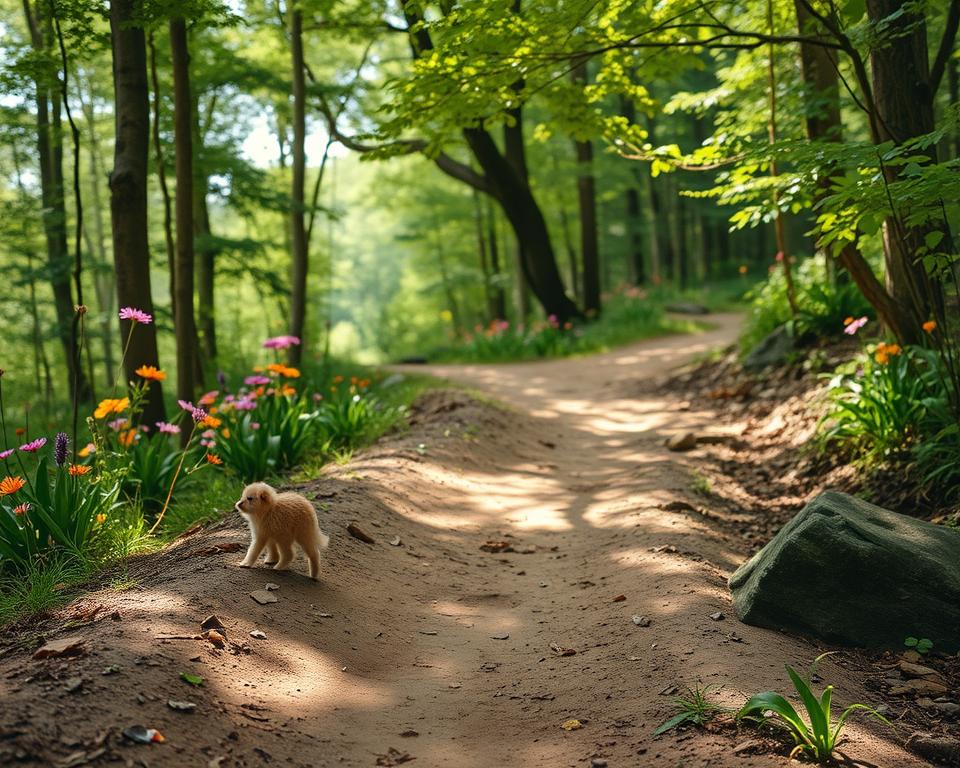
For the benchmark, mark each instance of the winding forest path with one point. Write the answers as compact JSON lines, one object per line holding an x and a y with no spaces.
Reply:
{"x":432,"y":648}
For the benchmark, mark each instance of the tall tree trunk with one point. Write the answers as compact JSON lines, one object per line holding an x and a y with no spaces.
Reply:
{"x":490,"y":313}
{"x":953,"y":96}
{"x":50,"y":156}
{"x":184,"y":320}
{"x":661,"y":244}
{"x":904,"y":98}
{"x":298,"y":232}
{"x":516,"y":156}
{"x":576,"y":285}
{"x":635,"y":261}
{"x":499,"y":307}
{"x":206,"y":258}
{"x":102,"y":274}
{"x":128,"y":192}
{"x":587,"y":199}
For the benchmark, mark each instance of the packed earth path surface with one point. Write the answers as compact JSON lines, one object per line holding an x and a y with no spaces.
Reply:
{"x":421,"y":645}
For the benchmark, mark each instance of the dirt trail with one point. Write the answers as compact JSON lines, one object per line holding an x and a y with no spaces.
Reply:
{"x":435,"y":638}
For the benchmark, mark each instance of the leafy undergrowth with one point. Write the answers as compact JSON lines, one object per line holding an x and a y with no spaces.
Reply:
{"x":359,"y":407}
{"x":630,"y":314}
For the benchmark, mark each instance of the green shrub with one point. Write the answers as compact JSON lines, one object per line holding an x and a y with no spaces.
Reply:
{"x":823,"y":304}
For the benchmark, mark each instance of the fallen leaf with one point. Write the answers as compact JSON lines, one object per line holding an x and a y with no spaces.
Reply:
{"x":214,"y":637}
{"x":561,"y":651}
{"x":619,"y":598}
{"x":394,"y":757}
{"x":718,"y":616}
{"x":495,"y":546}
{"x":194,"y":680}
{"x":68,"y":646}
{"x":358,"y":533}
{"x":572,"y":725}
{"x":217,"y":549}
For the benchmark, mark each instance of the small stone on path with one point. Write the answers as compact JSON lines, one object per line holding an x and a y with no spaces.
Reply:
{"x":263,"y":597}
{"x":683,"y":441}
{"x":641,"y":621}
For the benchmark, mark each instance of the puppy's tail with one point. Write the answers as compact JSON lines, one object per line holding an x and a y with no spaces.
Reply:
{"x":324,"y":540}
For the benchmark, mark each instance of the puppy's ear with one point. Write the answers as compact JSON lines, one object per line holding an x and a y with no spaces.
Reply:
{"x":264,"y":494}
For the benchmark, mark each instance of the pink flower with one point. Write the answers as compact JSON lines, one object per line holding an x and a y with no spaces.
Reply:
{"x":210,"y":398}
{"x":137,"y":315}
{"x":6,"y":454}
{"x":855,"y":325}
{"x":245,"y":404}
{"x":209,"y":433}
{"x":167,"y":428}
{"x":198,"y":415}
{"x":281,"y":342}
{"x":254,"y":425}
{"x":188,"y":407}
{"x":256,"y":381}
{"x":34,"y":446}
{"x":207,"y":443}
{"x":117,"y":424}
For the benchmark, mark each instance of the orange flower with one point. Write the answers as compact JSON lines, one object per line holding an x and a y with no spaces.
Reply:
{"x":10,"y":485}
{"x":101,"y":518}
{"x":885,"y":352}
{"x":78,"y":469}
{"x":226,"y":433}
{"x":284,"y":370}
{"x":20,"y":431}
{"x":126,"y":438}
{"x":212,"y":458}
{"x":930,"y":326}
{"x":848,"y":321}
{"x":743,"y":269}
{"x":22,"y":509}
{"x":109,"y":406}
{"x":151,"y":373}
{"x":337,"y":379}
{"x":286,"y":389}
{"x":276,"y":367}
{"x":86,"y":450}
{"x":211,"y":421}
{"x":258,"y":369}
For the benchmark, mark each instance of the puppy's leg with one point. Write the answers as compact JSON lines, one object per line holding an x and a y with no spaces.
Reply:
{"x":256,"y":547}
{"x":273,"y":554}
{"x":286,"y":555}
{"x":313,"y":555}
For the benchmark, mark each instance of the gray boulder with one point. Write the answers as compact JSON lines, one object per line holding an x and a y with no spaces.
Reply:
{"x":852,"y":573}
{"x":772,"y":349}
{"x":687,"y":308}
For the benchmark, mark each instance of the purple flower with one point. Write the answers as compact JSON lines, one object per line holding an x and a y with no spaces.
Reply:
{"x":256,"y":381}
{"x":6,"y":454}
{"x":168,"y":428}
{"x":222,"y":379}
{"x":137,"y":315}
{"x":246,"y":404}
{"x":189,"y":407}
{"x":198,"y":415}
{"x":34,"y":446}
{"x":60,"y":444}
{"x":281,"y":342}
{"x":855,"y":325}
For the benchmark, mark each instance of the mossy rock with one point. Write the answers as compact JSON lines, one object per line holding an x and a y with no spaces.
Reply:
{"x":851,"y":573}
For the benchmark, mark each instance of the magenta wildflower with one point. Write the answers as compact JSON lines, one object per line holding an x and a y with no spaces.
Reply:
{"x":167,"y":428}
{"x":256,"y":381}
{"x":855,"y":325}
{"x":245,"y":404}
{"x":34,"y":445}
{"x":254,"y":425}
{"x":137,"y":315}
{"x":6,"y":454}
{"x":198,"y":415}
{"x":281,"y":342}
{"x":189,"y":407}
{"x":208,"y":433}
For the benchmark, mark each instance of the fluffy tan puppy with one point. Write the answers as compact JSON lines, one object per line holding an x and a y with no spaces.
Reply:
{"x":278,"y":521}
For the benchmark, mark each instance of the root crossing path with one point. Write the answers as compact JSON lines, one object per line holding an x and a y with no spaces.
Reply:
{"x":600,"y":602}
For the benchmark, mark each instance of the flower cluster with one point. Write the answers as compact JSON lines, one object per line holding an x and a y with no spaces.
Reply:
{"x":884,"y":352}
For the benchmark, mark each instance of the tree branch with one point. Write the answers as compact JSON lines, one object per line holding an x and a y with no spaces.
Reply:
{"x":946,"y":46}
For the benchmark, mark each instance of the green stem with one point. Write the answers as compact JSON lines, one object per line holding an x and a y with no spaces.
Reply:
{"x":123,"y":357}
{"x":173,"y":482}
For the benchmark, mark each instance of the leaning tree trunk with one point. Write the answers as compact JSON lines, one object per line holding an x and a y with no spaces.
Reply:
{"x":128,"y":192}
{"x":514,"y":150}
{"x":903,"y":99}
{"x":183,"y":316}
{"x":298,"y":232}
